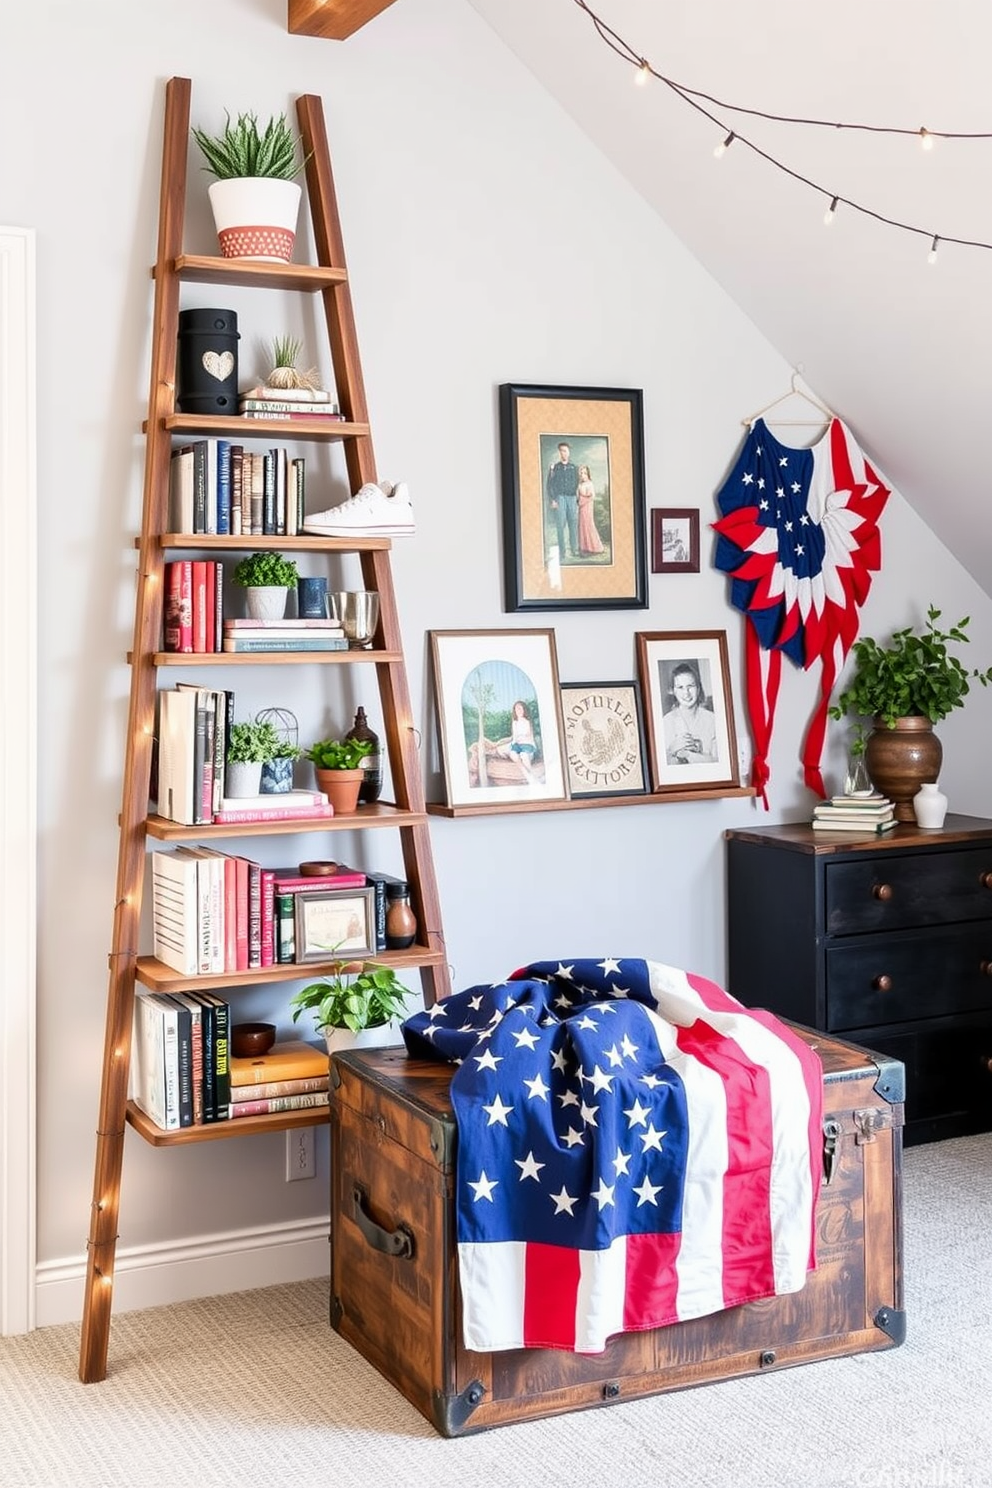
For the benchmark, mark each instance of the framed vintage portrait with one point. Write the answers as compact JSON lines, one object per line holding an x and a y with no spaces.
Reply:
{"x":689,"y":709}
{"x":603,"y":729}
{"x":498,"y":715}
{"x":340,"y":922}
{"x":573,"y":498}
{"x":674,"y":539}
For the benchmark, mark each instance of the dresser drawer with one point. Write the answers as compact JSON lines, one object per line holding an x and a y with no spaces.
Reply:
{"x":883,"y":980}
{"x":896,"y":892}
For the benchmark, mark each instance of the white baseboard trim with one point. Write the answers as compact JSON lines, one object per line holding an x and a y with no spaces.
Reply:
{"x":155,"y":1275}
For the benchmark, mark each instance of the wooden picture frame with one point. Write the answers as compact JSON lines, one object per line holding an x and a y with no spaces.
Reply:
{"x":338,"y":923}
{"x":603,"y":731}
{"x":566,"y":548}
{"x":498,"y":688}
{"x":674,"y":539}
{"x":689,"y":712}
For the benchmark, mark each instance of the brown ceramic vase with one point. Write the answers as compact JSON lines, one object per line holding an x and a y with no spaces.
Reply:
{"x":900,"y":759}
{"x":342,"y":788}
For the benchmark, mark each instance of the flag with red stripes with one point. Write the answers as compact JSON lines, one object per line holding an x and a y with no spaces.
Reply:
{"x":635,"y":1148}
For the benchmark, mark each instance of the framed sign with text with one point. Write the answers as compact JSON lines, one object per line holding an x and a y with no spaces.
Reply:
{"x":603,"y":728}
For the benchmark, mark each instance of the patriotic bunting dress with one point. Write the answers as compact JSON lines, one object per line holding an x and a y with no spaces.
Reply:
{"x":635,"y":1148}
{"x":798,"y":535}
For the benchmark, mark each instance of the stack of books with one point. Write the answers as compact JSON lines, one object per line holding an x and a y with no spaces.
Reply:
{"x":283,"y":403}
{"x":292,"y":1076}
{"x":874,"y":814}
{"x":283,"y":635}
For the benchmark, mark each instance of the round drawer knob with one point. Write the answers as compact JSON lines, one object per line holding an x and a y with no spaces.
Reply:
{"x":881,"y":891}
{"x":882,"y":983}
{"x":985,"y":967}
{"x":985,"y":879}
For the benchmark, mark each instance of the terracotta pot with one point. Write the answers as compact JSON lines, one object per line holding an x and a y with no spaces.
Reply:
{"x":900,"y":759}
{"x":341,"y":787}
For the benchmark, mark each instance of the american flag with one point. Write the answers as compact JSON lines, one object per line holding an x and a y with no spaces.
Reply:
{"x":799,"y":538}
{"x":635,"y":1148}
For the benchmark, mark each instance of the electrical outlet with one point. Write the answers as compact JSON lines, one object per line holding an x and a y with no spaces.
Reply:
{"x":299,"y":1154}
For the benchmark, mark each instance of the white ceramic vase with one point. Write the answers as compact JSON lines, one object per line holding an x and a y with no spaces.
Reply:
{"x":265,"y":601}
{"x":255,"y":217}
{"x":242,"y":778}
{"x":930,"y":806}
{"x":340,"y":1039}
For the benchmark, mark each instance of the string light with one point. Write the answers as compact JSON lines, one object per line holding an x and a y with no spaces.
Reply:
{"x":828,"y":215}
{"x":643,"y":73}
{"x":696,"y":99}
{"x":932,"y":255}
{"x":724,"y":145}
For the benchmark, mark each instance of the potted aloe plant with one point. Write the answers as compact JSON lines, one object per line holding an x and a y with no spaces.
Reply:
{"x":267,"y":579}
{"x":256,"y":197}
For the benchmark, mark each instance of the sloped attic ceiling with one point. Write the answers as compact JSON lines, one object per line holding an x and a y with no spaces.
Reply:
{"x":899,"y":347}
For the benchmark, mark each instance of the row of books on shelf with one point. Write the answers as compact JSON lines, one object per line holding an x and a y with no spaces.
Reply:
{"x":182,"y":1073}
{"x":215,"y":913}
{"x":194,"y":618}
{"x":219,"y":487}
{"x":872,"y":813}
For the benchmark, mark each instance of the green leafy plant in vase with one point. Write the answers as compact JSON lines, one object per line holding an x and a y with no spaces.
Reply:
{"x":356,"y":1003}
{"x":338,"y":766}
{"x":256,"y":197}
{"x":895,"y":696}
{"x":249,"y":746}
{"x":267,"y":579}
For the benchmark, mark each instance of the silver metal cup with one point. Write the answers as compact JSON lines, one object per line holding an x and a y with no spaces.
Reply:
{"x":358,"y":612}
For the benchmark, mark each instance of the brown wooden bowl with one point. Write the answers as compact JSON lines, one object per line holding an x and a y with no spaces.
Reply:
{"x":318,"y":869}
{"x":249,"y":1040}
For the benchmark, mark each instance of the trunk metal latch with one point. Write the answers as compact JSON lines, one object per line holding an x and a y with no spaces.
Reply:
{"x":831,"y":1136}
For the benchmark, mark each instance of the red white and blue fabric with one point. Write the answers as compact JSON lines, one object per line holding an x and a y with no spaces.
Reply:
{"x":635,"y":1149}
{"x":798,"y":535}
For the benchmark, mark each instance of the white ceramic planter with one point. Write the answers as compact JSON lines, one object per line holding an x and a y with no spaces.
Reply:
{"x":242,"y":778}
{"x":339,"y":1039}
{"x":256,"y":217}
{"x":265,"y":602}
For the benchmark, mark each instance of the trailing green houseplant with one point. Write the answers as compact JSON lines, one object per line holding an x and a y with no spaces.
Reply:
{"x":266,"y":570}
{"x":916,"y":675}
{"x":338,"y":754}
{"x":356,"y":1000}
{"x":243,"y":150}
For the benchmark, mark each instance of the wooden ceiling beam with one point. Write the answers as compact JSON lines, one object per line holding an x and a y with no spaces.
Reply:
{"x":335,"y":19}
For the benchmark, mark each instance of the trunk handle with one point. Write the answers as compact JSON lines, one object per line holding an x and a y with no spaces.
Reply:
{"x":398,"y":1242}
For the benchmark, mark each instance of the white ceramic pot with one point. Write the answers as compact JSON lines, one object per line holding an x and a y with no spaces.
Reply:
{"x":930,"y":806}
{"x":339,"y":1039}
{"x":265,"y":602}
{"x":242,"y":778}
{"x":255,"y":217}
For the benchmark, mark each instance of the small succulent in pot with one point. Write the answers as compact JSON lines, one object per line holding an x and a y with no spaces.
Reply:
{"x":266,"y":570}
{"x":243,"y":150}
{"x":253,"y":743}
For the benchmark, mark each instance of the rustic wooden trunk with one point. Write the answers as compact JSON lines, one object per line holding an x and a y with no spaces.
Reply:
{"x":394,"y":1277}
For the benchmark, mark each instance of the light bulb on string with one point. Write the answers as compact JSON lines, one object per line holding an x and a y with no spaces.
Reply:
{"x":828,"y":215}
{"x":724,"y":145}
{"x":643,"y":73}
{"x":926,"y":139}
{"x":932,"y":255}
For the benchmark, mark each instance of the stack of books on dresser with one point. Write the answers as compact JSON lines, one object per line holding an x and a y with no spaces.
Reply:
{"x":874,"y":814}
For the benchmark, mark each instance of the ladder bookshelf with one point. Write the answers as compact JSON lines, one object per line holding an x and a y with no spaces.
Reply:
{"x":406,"y":815}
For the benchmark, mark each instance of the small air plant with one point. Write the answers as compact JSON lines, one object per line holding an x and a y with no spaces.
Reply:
{"x":285,"y":373}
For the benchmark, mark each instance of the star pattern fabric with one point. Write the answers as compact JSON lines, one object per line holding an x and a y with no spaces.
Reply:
{"x":798,"y":535}
{"x":635,"y":1148}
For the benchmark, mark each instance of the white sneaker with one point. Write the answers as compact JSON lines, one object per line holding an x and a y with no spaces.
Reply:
{"x":373,"y":511}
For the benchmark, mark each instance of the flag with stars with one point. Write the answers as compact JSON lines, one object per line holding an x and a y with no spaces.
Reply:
{"x":799,"y":537}
{"x":635,"y":1148}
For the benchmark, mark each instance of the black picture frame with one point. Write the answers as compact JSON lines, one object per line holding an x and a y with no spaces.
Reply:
{"x":560,"y":552}
{"x":604,"y":739}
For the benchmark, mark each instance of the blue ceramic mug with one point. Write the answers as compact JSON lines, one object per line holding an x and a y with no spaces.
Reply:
{"x":311,"y":595}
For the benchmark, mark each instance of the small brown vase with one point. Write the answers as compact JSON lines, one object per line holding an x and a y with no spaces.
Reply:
{"x":341,"y":788}
{"x":900,"y":759}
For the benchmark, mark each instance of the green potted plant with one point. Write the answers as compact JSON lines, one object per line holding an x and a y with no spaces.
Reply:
{"x":353,"y":1007}
{"x":267,"y":579}
{"x":895,"y":696}
{"x":339,"y":770}
{"x":249,"y":745}
{"x":256,"y":197}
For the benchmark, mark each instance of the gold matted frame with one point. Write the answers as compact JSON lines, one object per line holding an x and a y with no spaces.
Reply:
{"x":566,"y":545}
{"x":499,"y":715}
{"x":338,"y":923}
{"x":689,"y":711}
{"x":603,"y":730}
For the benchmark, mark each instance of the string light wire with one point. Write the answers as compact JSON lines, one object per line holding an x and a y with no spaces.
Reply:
{"x":692,"y":97}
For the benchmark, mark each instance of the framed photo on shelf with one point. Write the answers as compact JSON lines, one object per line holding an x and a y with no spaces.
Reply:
{"x":573,"y":498}
{"x":603,"y":728}
{"x":689,"y":709}
{"x":338,"y":923}
{"x":674,"y":539}
{"x":499,"y":715}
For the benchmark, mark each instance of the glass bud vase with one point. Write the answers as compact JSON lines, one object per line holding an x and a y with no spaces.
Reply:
{"x":857,"y":782}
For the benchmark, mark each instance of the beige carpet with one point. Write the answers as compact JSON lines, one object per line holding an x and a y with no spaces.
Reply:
{"x":256,"y":1391}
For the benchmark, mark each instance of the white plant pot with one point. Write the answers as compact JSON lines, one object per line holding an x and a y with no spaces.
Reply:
{"x":242,"y":778}
{"x":339,"y":1039}
{"x":265,"y":602}
{"x":255,"y":217}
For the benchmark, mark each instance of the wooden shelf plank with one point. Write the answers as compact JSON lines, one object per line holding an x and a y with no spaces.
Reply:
{"x":334,"y":19}
{"x":501,"y":808}
{"x":374,"y":814}
{"x":244,"y":428}
{"x":303,"y":542}
{"x":158,"y":977}
{"x":266,"y":658}
{"x":197,"y":269}
{"x":241,"y":1126}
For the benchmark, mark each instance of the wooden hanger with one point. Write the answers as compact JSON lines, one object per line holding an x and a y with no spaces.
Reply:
{"x":794,"y":391}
